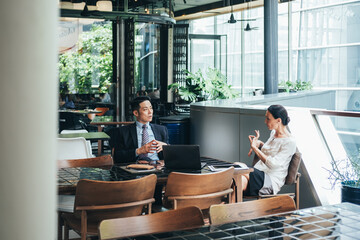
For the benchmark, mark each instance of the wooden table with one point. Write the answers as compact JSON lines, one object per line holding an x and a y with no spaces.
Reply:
{"x":102,"y":121}
{"x":82,"y":111}
{"x":68,"y":177}
{"x":340,"y":221}
{"x":100,"y":136}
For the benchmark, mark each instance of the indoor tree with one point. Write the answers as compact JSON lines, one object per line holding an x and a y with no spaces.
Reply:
{"x":91,"y":63}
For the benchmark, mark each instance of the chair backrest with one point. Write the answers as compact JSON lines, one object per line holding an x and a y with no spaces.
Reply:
{"x":292,"y":169}
{"x":172,"y":220}
{"x":104,"y":160}
{"x":227,"y":213}
{"x":131,"y":195}
{"x":102,"y":109}
{"x":186,"y":185}
{"x":73,"y":148}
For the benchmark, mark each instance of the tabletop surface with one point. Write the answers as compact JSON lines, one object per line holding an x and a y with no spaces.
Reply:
{"x":340,"y":221}
{"x":107,"y":120}
{"x":69,"y":177}
{"x":82,"y":111}
{"x":87,"y":136}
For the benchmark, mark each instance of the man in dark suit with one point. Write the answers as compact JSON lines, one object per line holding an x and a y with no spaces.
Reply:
{"x":128,"y":142}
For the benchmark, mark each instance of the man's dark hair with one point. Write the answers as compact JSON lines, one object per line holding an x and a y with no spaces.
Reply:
{"x":135,"y":104}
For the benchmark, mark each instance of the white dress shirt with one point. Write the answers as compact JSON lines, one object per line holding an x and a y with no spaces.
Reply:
{"x":279,"y":152}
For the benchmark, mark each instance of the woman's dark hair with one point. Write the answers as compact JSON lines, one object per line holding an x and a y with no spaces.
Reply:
{"x":279,"y":111}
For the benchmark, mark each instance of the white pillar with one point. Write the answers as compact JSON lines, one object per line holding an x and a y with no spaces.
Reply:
{"x":28,"y":118}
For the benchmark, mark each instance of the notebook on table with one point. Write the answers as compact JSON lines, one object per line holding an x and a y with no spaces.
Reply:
{"x":184,"y":158}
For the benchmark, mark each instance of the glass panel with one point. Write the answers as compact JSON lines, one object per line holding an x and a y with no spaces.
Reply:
{"x":254,"y":71}
{"x":202,"y":26}
{"x":330,"y":25}
{"x":314,"y":3}
{"x":147,"y":59}
{"x":348,"y":132}
{"x":283,"y":44}
{"x":330,"y":67}
{"x":231,"y":45}
{"x":202,"y":54}
{"x":348,"y":101}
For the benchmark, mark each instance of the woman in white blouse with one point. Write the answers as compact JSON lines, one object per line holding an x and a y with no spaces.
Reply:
{"x":275,"y":155}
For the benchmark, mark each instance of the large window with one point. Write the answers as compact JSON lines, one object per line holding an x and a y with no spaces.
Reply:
{"x":147,"y":59}
{"x":323,"y":41}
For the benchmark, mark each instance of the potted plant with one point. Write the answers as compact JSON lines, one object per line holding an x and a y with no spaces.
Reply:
{"x":298,"y":85}
{"x":198,"y":87}
{"x":347,"y":172}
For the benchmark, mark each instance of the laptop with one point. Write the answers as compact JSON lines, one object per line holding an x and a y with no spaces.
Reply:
{"x":185,"y":158}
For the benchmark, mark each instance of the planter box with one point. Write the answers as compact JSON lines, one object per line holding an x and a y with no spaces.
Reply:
{"x":350,"y":193}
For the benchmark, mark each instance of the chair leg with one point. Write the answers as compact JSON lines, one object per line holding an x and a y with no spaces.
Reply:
{"x":83,"y":225}
{"x":60,"y":226}
{"x":150,"y":208}
{"x":297,"y":191}
{"x":66,"y":231}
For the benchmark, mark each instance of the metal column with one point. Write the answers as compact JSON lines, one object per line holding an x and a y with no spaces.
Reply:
{"x":271,"y":46}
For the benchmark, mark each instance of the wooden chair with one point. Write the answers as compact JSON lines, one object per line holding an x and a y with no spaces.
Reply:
{"x":227,"y":213}
{"x":201,"y":190}
{"x":99,"y":200}
{"x":172,"y":220}
{"x":66,"y":202}
{"x":73,"y":148}
{"x":293,"y":178}
{"x":102,"y":161}
{"x":102,"y":110}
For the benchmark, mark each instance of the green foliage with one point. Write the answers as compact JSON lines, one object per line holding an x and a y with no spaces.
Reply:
{"x":197,"y":87}
{"x":91,"y":64}
{"x":295,"y":86}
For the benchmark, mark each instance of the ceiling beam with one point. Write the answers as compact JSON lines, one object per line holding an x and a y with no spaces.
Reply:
{"x":218,"y":8}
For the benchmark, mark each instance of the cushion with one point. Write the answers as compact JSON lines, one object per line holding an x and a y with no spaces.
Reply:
{"x":293,"y":168}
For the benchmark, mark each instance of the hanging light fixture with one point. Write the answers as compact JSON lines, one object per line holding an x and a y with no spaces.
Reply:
{"x":79,"y":6}
{"x":66,"y":5}
{"x":104,"y":6}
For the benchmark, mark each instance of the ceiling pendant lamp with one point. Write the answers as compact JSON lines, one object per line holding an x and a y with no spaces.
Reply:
{"x":104,"y":6}
{"x":79,"y":6}
{"x":66,"y":5}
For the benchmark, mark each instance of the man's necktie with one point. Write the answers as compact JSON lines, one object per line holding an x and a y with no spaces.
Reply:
{"x":145,"y":139}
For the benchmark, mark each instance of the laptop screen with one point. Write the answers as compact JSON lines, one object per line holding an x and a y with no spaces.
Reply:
{"x":178,"y":157}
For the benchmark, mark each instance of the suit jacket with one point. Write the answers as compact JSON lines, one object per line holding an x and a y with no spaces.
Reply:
{"x":125,"y":141}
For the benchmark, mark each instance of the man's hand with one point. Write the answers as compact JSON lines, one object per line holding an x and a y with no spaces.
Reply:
{"x":159,"y":145}
{"x":150,"y":147}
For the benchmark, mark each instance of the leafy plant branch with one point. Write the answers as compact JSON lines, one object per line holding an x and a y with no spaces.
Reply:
{"x":298,"y":85}
{"x":346,"y":171}
{"x":198,"y":87}
{"x":91,"y":64}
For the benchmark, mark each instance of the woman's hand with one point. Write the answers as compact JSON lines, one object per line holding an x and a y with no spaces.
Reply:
{"x":254,"y":141}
